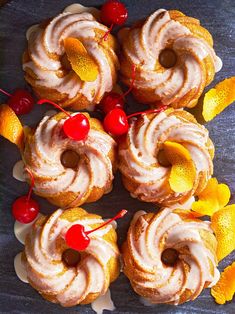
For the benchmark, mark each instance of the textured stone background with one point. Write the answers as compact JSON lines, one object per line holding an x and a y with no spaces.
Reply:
{"x":15,"y":17}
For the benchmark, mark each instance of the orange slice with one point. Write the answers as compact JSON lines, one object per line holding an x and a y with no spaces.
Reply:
{"x":214,"y":197}
{"x":183,"y":170}
{"x":223,"y":224}
{"x":82,"y":63}
{"x":225,"y":288}
{"x":10,"y":126}
{"x":218,"y":98}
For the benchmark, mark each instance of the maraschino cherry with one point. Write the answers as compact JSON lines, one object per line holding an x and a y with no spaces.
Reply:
{"x":25,"y":209}
{"x":75,"y":127}
{"x":116,"y":121}
{"x":111,"y":101}
{"x":20,"y":101}
{"x":113,"y":12}
{"x":78,"y":239}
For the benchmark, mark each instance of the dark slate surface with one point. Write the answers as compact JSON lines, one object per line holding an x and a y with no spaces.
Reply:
{"x":15,"y":17}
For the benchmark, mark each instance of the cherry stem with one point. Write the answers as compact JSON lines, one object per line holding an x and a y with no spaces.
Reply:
{"x":4,"y":92}
{"x":31,"y":184}
{"x":105,"y":37}
{"x":43,"y":101}
{"x":119,"y":215}
{"x":162,"y":108}
{"x":133,"y":74}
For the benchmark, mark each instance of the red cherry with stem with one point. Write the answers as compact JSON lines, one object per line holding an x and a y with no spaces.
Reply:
{"x":116,"y":121}
{"x":78,"y":239}
{"x":112,"y":101}
{"x":25,"y":209}
{"x":20,"y":101}
{"x":75,"y":127}
{"x":113,"y":12}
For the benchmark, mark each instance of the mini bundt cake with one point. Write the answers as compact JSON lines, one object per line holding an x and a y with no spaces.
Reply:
{"x":70,"y":279}
{"x":174,"y":59}
{"x":49,"y":71}
{"x":169,"y":258}
{"x":143,"y":163}
{"x":68,"y":172}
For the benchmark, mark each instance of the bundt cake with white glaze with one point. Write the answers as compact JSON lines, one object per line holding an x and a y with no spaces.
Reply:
{"x":174,"y":59}
{"x":168,"y":257}
{"x":47,"y":67}
{"x":70,"y":278}
{"x":144,"y":165}
{"x":68,"y":172}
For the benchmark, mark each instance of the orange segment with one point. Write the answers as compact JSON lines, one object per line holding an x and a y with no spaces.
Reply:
{"x":82,"y":63}
{"x":183,"y":170}
{"x":218,"y":98}
{"x":223,"y":224}
{"x":214,"y":197}
{"x":225,"y":288}
{"x":10,"y":126}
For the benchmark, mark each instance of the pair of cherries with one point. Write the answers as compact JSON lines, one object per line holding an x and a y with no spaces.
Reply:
{"x":21,"y":102}
{"x":25,"y":210}
{"x":116,"y":121}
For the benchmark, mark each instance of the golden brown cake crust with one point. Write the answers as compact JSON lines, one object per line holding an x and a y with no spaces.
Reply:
{"x":183,"y":82}
{"x":49,"y":72}
{"x":149,"y":237}
{"x":47,"y":139}
{"x":99,"y":263}
{"x":142,"y":173}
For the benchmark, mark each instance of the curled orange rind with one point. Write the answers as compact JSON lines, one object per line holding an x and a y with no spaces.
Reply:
{"x":183,"y":170}
{"x":223,"y":224}
{"x":82,"y":63}
{"x":10,"y":126}
{"x":218,"y":98}
{"x":225,"y":288}
{"x":214,"y":197}
{"x":187,"y":214}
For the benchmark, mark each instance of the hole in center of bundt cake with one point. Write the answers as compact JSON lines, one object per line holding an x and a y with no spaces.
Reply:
{"x":169,"y":257}
{"x":162,"y":159}
{"x":167,"y":58}
{"x":65,"y":62}
{"x":69,"y":159}
{"x":71,"y":257}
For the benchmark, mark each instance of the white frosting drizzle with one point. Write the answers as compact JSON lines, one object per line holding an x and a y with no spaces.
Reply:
{"x":31,"y":29}
{"x":79,"y":22}
{"x":139,"y":161}
{"x":18,"y":171}
{"x":102,"y":303}
{"x":51,"y":177}
{"x":21,"y":230}
{"x":146,"y":302}
{"x":79,"y":8}
{"x":20,"y":268}
{"x":164,"y":284}
{"x":47,"y":272}
{"x":145,"y":46}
